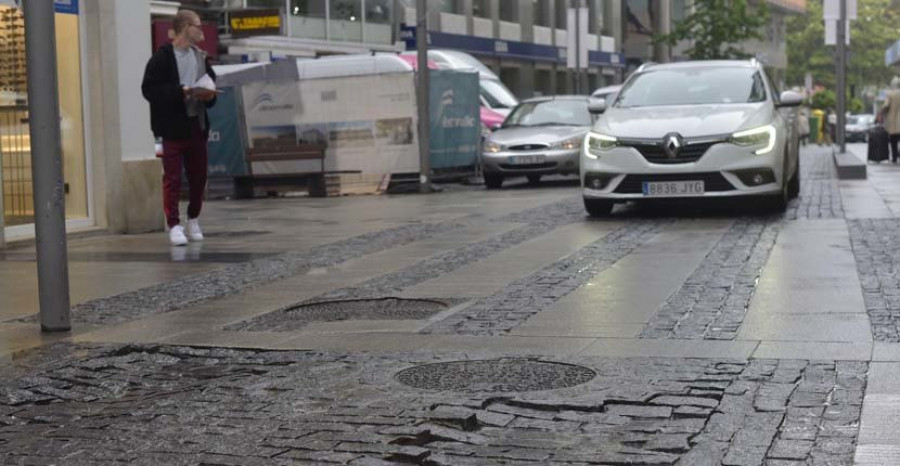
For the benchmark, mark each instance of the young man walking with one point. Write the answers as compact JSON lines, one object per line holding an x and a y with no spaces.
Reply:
{"x":178,"y":116}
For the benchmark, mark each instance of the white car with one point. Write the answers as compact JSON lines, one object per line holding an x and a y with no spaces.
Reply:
{"x":703,"y":129}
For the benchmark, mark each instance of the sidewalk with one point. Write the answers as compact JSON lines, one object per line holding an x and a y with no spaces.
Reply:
{"x":473,"y":327}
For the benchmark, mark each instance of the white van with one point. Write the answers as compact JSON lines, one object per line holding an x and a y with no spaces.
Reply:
{"x":494,"y":94}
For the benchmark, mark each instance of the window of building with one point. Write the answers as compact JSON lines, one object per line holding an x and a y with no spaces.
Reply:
{"x":509,"y":11}
{"x":452,"y":6}
{"x":309,"y":8}
{"x":481,"y":8}
{"x":561,"y":7}
{"x":268,"y":4}
{"x":15,"y":141}
{"x":540,"y":12}
{"x":378,"y":11}
{"x":346,"y":10}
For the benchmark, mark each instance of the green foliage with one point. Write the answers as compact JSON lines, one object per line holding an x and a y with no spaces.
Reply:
{"x":824,"y":100}
{"x":874,"y":31}
{"x":856,"y":105}
{"x":717,"y":28}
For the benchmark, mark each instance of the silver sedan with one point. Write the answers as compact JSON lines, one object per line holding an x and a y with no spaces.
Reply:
{"x":541,"y":136}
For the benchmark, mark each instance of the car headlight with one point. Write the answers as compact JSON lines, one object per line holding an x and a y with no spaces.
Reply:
{"x":491,"y":147}
{"x":569,"y":144}
{"x":762,"y":136}
{"x":597,"y":143}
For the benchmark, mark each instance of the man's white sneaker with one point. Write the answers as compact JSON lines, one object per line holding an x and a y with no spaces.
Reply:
{"x":194,"y":231}
{"x":176,"y":236}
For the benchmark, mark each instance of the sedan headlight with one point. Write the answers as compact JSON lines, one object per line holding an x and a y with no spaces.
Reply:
{"x":491,"y":147}
{"x":763,"y":136}
{"x":569,"y":144}
{"x":597,"y":143}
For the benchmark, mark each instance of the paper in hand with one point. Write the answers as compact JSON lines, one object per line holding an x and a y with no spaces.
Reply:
{"x":205,"y":82}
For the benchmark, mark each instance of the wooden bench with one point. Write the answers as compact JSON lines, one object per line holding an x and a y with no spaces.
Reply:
{"x":312,"y":181}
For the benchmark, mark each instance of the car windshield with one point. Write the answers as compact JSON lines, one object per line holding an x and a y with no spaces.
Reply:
{"x":496,"y":94}
{"x":860,"y":120}
{"x":550,"y":113}
{"x":693,"y":86}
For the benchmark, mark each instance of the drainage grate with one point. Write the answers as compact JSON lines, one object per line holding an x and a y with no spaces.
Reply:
{"x":496,"y":375}
{"x":297,"y":317}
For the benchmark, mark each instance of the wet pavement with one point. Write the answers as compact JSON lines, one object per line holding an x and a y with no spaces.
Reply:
{"x":473,"y":327}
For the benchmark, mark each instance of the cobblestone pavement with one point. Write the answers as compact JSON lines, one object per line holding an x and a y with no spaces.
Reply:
{"x":240,"y":277}
{"x":713,"y":301}
{"x":178,"y":406}
{"x":875,"y":246}
{"x":820,"y":196}
{"x":521,"y":299}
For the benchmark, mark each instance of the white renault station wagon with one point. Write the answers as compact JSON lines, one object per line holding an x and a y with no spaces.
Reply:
{"x":702,"y":129}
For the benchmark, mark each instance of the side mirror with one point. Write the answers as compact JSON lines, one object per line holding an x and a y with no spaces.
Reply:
{"x":790,"y":99}
{"x":596,"y":106}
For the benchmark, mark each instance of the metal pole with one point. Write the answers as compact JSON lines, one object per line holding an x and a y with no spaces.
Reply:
{"x":577,"y":33}
{"x":46,"y":166}
{"x":422,"y":94}
{"x":841,"y":78}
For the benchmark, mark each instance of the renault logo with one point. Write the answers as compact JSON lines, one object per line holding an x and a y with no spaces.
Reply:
{"x":672,"y":145}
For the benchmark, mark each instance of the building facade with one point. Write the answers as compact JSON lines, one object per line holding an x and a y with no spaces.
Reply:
{"x":523,"y":41}
{"x":112,"y":180}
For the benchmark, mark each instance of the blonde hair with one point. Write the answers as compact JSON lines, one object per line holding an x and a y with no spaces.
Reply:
{"x":183,"y":19}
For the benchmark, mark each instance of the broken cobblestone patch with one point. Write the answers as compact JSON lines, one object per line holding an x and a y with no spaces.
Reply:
{"x":179,"y":405}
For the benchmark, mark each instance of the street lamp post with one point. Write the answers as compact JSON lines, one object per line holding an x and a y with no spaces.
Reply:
{"x":839,"y":131}
{"x":46,"y":166}
{"x":422,"y":82}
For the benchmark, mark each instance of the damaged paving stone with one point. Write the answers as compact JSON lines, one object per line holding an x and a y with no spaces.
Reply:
{"x":182,"y":405}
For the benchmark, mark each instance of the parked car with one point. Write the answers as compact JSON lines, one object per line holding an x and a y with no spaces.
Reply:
{"x":608,"y":93}
{"x":858,"y":126}
{"x":494,"y":94}
{"x":541,"y":136}
{"x":703,"y":129}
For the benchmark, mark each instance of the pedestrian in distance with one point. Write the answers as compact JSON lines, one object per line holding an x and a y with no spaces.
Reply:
{"x":890,"y":114}
{"x":830,"y":126}
{"x":179,"y":84}
{"x":803,"y":125}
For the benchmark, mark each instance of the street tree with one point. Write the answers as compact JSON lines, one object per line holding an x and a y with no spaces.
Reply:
{"x":717,"y":28}
{"x":877,"y":27}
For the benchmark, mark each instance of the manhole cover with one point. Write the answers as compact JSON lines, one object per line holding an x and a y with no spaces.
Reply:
{"x":496,"y":375}
{"x":299,"y":316}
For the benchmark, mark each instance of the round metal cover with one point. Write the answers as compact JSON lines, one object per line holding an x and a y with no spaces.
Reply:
{"x":368,"y":309}
{"x":496,"y":375}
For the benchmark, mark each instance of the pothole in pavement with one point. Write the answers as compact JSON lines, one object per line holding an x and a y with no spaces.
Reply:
{"x":297,"y":317}
{"x":496,"y":375}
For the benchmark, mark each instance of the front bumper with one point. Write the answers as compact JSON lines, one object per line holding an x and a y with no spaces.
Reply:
{"x":553,"y":162}
{"x":726,"y":170}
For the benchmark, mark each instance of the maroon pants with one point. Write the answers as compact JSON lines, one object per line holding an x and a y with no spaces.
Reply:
{"x":190,"y":155}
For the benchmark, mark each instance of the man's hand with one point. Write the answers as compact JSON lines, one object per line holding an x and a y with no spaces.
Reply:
{"x":204,"y":95}
{"x":186,"y":91}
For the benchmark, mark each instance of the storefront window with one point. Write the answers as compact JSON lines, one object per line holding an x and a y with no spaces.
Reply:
{"x":266,"y":4}
{"x":346,"y":20}
{"x":15,"y":146}
{"x":451,"y":6}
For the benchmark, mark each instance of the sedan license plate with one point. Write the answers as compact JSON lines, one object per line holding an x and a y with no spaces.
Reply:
{"x":526,"y":159}
{"x":673,"y":188}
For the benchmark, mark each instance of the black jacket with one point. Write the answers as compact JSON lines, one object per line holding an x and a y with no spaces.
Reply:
{"x":162,"y":88}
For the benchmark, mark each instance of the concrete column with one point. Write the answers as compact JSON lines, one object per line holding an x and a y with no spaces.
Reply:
{"x":526,"y":19}
{"x":470,"y":22}
{"x":494,"y":6}
{"x":127,"y":176}
{"x":663,"y":25}
{"x":526,"y":80}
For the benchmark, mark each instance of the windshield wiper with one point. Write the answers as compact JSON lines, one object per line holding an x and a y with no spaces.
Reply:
{"x":555,"y":123}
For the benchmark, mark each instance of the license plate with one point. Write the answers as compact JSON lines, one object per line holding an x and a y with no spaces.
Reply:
{"x":673,"y":188}
{"x":526,"y":159}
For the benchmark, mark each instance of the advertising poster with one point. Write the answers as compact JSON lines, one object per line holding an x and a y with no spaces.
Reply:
{"x":455,"y":126}
{"x":226,"y":146}
{"x":369,"y":121}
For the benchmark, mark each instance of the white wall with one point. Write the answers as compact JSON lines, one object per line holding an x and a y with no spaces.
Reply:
{"x":132,"y":23}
